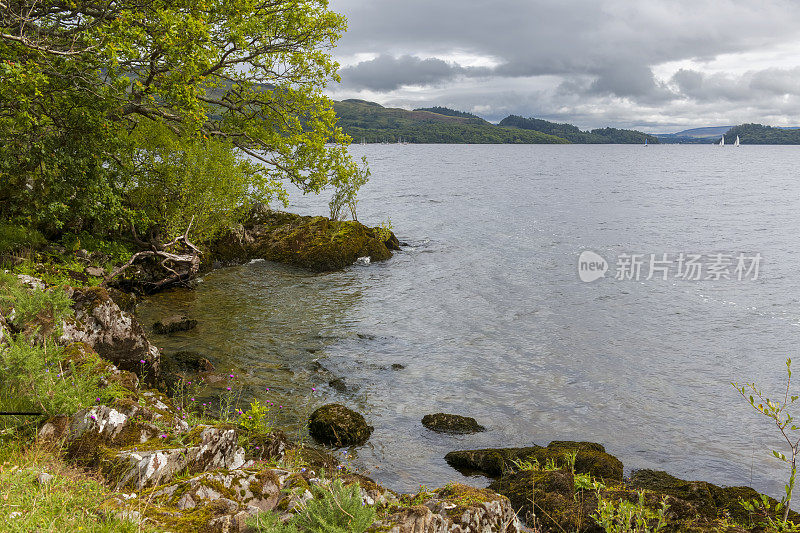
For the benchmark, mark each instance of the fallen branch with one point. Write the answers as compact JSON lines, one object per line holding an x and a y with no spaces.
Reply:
{"x":181,"y":267}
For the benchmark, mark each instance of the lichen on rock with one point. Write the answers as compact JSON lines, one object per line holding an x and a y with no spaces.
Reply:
{"x":116,"y":335}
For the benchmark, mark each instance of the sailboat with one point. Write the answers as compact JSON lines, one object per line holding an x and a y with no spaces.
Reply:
{"x":645,"y":141}
{"x":737,"y":141}
{"x":722,"y":141}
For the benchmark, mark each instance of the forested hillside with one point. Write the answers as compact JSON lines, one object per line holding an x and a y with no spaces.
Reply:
{"x":372,"y":123}
{"x":575,"y":135}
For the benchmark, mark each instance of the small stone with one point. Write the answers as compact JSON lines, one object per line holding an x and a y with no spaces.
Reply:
{"x":44,"y":478}
{"x":97,"y":272}
{"x":447,"y":423}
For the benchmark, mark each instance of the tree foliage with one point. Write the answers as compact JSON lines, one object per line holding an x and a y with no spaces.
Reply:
{"x":103,"y":103}
{"x":759,"y":134}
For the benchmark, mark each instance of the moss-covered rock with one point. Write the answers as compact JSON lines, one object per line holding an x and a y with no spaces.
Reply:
{"x":315,"y":243}
{"x":488,"y":461}
{"x":548,"y":499}
{"x":337,"y":425}
{"x":447,"y":423}
{"x":590,"y":458}
{"x":708,"y":500}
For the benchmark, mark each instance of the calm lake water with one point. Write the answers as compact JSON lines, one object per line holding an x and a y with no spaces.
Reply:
{"x":485,"y":309}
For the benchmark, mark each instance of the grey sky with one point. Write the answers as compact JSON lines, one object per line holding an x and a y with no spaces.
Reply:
{"x":658,"y":66}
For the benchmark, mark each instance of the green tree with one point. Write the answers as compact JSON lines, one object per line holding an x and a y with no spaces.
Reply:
{"x":97,"y":98}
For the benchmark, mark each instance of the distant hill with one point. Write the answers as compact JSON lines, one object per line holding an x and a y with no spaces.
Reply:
{"x":694,"y":136}
{"x":760,"y":134}
{"x":748,"y":134}
{"x":449,"y":112}
{"x":374,"y":123}
{"x":575,"y":135}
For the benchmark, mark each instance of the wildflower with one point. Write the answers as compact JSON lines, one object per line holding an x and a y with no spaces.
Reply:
{"x":192,"y":399}
{"x":313,"y":389}
{"x":141,"y":361}
{"x":302,"y":469}
{"x":231,"y":375}
{"x":163,"y":436}
{"x":228,"y":388}
{"x":94,"y":417}
{"x":250,"y":417}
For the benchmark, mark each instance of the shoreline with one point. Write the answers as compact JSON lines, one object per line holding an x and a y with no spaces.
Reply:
{"x":563,"y":470}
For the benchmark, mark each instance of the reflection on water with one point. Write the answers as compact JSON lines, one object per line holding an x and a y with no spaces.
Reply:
{"x":487,"y":315}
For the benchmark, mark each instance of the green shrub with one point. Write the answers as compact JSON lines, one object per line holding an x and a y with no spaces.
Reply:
{"x":628,"y":517}
{"x":270,"y":523}
{"x":33,"y":372}
{"x":34,"y":310}
{"x":778,"y":413}
{"x":334,"y":509}
{"x":14,"y":237}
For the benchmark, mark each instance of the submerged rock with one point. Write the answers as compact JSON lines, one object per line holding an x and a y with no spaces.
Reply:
{"x":446,"y":423}
{"x":174,"y":324}
{"x":116,"y":335}
{"x":337,"y":425}
{"x":315,"y":243}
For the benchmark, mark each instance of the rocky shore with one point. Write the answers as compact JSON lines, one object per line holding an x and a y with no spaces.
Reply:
{"x":175,"y":470}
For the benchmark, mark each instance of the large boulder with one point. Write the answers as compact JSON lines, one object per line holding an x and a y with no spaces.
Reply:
{"x":316,"y":243}
{"x":547,"y":499}
{"x":114,"y":334}
{"x":590,"y":458}
{"x":337,"y":425}
{"x":707,"y":500}
{"x":447,"y":423}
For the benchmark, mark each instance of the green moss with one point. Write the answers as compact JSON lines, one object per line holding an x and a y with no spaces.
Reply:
{"x":591,"y":458}
{"x":315,"y":243}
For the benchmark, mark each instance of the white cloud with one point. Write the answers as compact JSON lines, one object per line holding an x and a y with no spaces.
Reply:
{"x":593,"y":63}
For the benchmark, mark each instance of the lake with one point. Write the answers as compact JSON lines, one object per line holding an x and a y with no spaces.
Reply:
{"x":486,"y":311}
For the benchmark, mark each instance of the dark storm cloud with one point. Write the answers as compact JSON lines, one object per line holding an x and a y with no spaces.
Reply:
{"x":386,"y":73}
{"x":605,"y":50}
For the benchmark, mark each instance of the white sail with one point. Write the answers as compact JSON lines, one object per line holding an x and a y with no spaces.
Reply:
{"x":722,"y":141}
{"x":737,"y":141}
